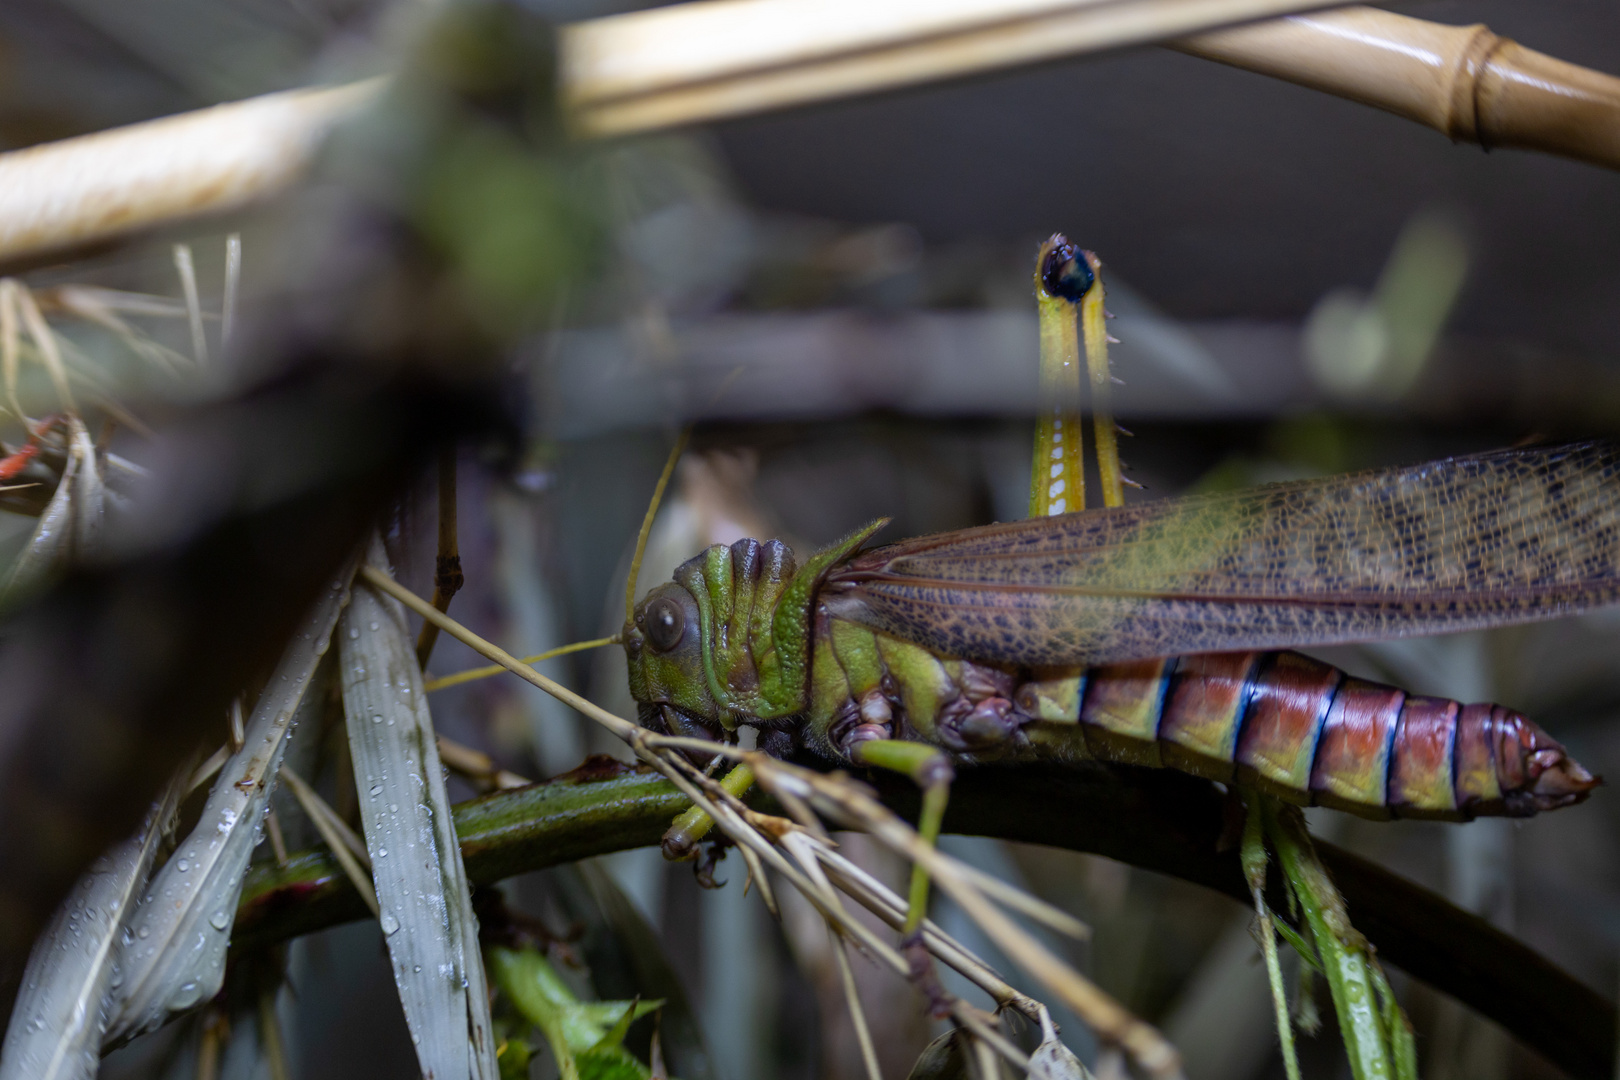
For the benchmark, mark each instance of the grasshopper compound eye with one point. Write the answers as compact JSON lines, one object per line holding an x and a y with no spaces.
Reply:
{"x":666,"y":624}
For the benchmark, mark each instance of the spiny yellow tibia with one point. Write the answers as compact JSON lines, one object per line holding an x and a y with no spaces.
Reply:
{"x":1057,"y":481}
{"x":1092,"y":318}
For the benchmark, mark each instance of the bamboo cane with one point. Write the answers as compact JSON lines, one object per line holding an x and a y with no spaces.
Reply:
{"x":690,"y":63}
{"x":91,"y":189}
{"x":701,"y":61}
{"x":1463,"y":81}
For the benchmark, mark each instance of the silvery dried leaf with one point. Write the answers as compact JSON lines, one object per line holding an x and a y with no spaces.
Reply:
{"x":1052,"y":1060}
{"x":942,"y":1059}
{"x":52,"y":536}
{"x":172,"y":956}
{"x":422,"y":889}
{"x":57,"y":1021}
{"x":70,"y":528}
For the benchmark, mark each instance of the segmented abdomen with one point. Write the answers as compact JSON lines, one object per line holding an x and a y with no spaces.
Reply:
{"x":1304,"y":731}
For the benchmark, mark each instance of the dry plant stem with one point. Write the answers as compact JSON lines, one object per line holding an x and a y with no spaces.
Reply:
{"x":328,"y":825}
{"x":340,"y":828}
{"x":618,"y":725}
{"x":818,"y":890}
{"x":979,"y":1024}
{"x":473,"y":674}
{"x":1107,"y":1018}
{"x":214,"y":1033}
{"x":278,"y":842}
{"x":45,"y":341}
{"x":1016,"y":899}
{"x":233,"y":286}
{"x":275,"y":1054}
{"x":645,"y":531}
{"x":10,"y":345}
{"x":815,"y":889}
{"x":187,"y":270}
{"x":857,"y":1016}
{"x":447,"y":576}
{"x":886,"y":905}
{"x":804,"y":848}
{"x":1092,"y":316}
{"x":756,"y":875}
{"x":477,"y":766}
{"x":205,"y":772}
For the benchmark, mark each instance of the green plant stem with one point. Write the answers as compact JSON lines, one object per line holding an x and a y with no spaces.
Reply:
{"x":1341,"y":950}
{"x":1154,"y":819}
{"x":518,"y":978}
{"x":1254,"y":860}
{"x":1403,"y":1045}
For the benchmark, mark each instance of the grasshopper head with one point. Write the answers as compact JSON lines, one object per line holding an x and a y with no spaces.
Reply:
{"x":664,"y":646}
{"x":728,"y":641}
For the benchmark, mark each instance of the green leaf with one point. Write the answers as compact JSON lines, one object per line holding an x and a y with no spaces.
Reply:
{"x":612,"y":1062}
{"x":513,"y":1058}
{"x":613,"y":1013}
{"x":586,"y":1037}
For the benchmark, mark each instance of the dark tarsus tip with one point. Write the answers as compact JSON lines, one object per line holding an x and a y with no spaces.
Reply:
{"x":1064,"y":271}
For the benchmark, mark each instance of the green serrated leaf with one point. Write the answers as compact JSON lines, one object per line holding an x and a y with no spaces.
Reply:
{"x":586,"y":1037}
{"x":513,"y":1058}
{"x":611,"y":1013}
{"x":611,"y":1062}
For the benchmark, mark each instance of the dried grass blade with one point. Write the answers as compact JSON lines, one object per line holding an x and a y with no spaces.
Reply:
{"x":10,"y":345}
{"x":857,"y":1015}
{"x":1052,"y":1060}
{"x":57,"y":1021}
{"x":188,"y":285}
{"x":174,"y":953}
{"x":205,"y":772}
{"x":233,"y":285}
{"x":89,"y":494}
{"x":1016,"y":899}
{"x":335,"y":833}
{"x":93,"y":306}
{"x":427,"y":915}
{"x":83,"y":299}
{"x":44,"y":339}
{"x":49,"y":544}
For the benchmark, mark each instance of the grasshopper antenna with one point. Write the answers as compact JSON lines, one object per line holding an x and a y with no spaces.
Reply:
{"x":647,"y":522}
